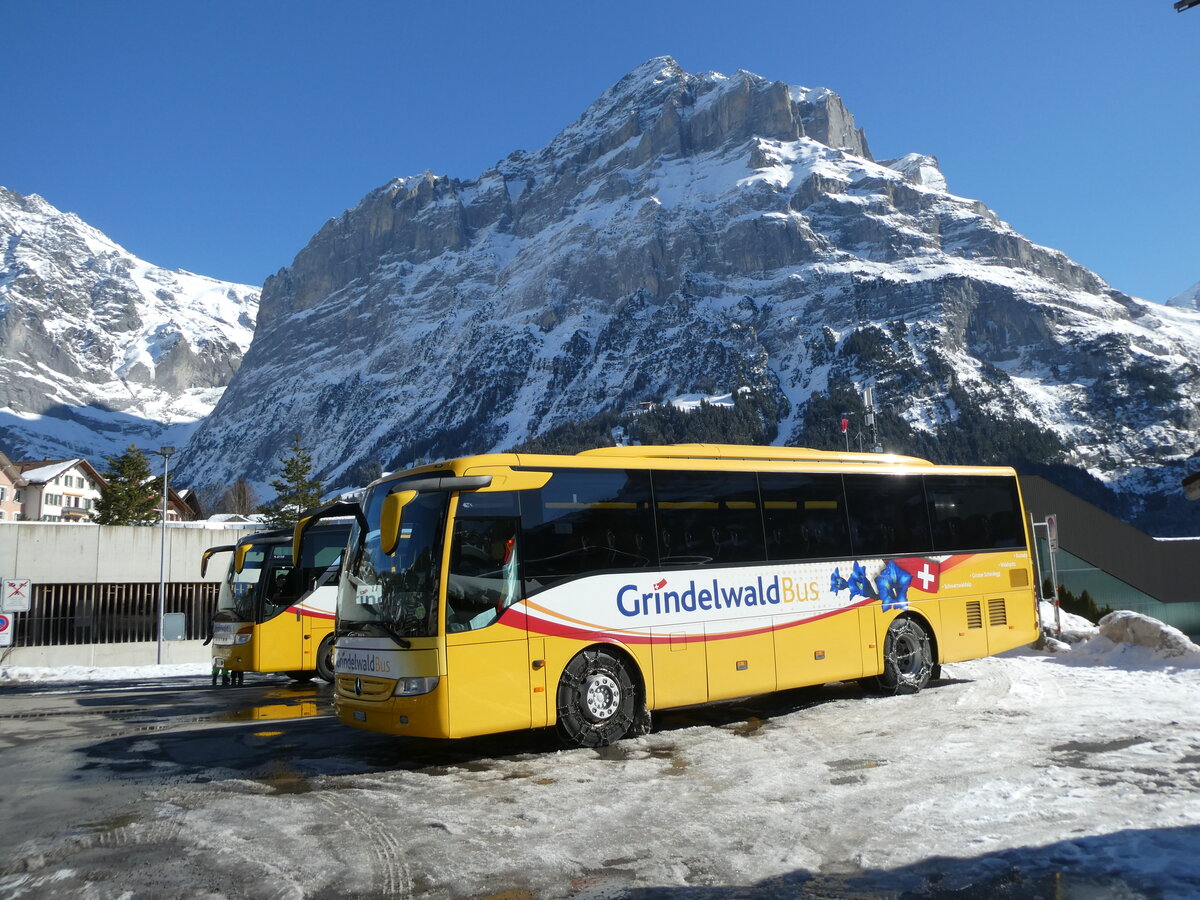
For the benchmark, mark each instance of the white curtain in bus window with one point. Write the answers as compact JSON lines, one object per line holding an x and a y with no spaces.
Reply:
{"x":483,"y":579}
{"x":586,"y":521}
{"x":283,"y":582}
{"x":976,"y":512}
{"x":888,"y":515}
{"x":708,"y":518}
{"x":805,"y":516}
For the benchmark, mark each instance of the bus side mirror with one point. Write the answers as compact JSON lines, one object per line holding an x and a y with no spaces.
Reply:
{"x":298,"y":537}
{"x":209,"y":554}
{"x":239,"y":558}
{"x":389,"y":519}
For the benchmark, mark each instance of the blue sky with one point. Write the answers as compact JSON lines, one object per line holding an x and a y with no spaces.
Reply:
{"x":219,"y":136}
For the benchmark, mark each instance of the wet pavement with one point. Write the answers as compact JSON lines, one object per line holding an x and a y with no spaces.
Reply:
{"x":104,"y":779}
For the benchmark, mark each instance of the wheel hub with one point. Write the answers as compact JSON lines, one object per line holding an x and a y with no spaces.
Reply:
{"x":601,"y":697}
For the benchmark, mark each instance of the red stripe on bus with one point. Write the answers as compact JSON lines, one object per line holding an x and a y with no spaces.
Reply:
{"x":517,"y":619}
{"x":311,"y":614}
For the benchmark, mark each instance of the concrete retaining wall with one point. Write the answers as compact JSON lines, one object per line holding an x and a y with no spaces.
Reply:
{"x":47,"y":553}
{"x":139,"y":654}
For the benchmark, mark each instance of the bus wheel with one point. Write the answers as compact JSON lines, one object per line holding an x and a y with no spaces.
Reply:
{"x":596,"y":700}
{"x":907,"y":658}
{"x":325,"y":659}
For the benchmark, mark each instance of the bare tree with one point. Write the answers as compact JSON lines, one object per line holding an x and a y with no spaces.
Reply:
{"x":240,"y":497}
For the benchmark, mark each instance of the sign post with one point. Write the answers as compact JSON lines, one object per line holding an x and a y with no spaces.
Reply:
{"x":17,"y":595}
{"x":1051,"y":526}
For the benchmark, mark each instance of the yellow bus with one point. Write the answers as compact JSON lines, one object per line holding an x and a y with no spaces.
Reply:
{"x":274,"y":615}
{"x":501,"y":592}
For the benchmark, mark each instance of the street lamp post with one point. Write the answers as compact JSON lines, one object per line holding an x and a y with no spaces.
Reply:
{"x":165,"y":453}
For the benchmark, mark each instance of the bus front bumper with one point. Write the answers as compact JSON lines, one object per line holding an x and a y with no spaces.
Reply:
{"x":371,"y":704}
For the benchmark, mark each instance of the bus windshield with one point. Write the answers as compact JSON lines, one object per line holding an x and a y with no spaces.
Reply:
{"x":237,"y":600}
{"x":396,"y":594}
{"x":269,"y":584}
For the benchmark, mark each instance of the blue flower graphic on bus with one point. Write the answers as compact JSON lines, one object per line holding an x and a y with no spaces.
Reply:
{"x":893,"y":584}
{"x":858,"y":583}
{"x":837,"y":583}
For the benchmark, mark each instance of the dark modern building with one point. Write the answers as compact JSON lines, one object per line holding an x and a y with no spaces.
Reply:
{"x":1116,"y":563}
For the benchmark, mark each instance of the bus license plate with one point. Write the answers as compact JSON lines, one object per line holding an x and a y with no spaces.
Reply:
{"x":360,"y":716}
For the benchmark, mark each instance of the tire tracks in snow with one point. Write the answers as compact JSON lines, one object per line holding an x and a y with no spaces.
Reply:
{"x":391,"y":872}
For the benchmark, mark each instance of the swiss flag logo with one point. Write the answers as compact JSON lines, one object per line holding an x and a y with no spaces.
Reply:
{"x":926,"y":574}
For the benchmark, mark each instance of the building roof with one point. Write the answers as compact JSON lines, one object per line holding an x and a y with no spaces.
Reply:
{"x":42,"y":471}
{"x":12,"y":470}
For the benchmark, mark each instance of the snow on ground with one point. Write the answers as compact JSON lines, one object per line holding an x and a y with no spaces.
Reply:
{"x":13,"y":674}
{"x":1032,"y":774}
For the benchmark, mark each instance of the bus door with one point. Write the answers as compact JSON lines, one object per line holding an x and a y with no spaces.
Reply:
{"x":311,"y":590}
{"x":281,"y":641}
{"x":488,"y":655}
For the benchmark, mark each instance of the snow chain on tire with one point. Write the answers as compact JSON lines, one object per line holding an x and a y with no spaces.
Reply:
{"x":907,"y":658}
{"x":598,"y":702}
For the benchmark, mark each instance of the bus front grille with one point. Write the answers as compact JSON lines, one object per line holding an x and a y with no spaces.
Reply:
{"x":363,"y":687}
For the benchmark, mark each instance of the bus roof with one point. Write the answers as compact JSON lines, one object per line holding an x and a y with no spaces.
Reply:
{"x":690,"y":456}
{"x":752,"y":452}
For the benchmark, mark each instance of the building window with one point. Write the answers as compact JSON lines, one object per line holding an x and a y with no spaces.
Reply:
{"x":3,"y":493}
{"x":17,"y":496}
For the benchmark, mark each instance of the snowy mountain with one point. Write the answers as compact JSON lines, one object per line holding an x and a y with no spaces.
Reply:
{"x":704,"y":234}
{"x":100,"y":349}
{"x":1189,"y":299}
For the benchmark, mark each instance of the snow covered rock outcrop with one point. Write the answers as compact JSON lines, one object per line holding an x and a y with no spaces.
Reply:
{"x":100,"y":349}
{"x":702,"y":234}
{"x":1189,"y":299}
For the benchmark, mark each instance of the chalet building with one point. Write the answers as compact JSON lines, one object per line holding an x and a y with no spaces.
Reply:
{"x":12,"y":485}
{"x":59,"y":490}
{"x":66,"y":490}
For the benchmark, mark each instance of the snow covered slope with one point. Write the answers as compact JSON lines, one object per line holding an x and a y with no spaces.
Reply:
{"x":700,"y":234}
{"x":100,"y":349}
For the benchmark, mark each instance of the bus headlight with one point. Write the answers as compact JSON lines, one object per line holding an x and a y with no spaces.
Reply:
{"x":241,"y":638}
{"x":410,"y":687}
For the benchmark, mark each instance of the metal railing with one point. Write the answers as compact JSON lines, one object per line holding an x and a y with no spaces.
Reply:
{"x":61,"y":614}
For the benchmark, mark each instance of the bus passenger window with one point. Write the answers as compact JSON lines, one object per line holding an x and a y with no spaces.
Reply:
{"x":484,"y":573}
{"x":974,"y":512}
{"x":805,"y":516}
{"x":708,"y":518}
{"x":584,"y":522}
{"x":888,"y":515}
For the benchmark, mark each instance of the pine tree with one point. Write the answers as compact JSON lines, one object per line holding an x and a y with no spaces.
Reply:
{"x":131,"y":494}
{"x":296,"y":490}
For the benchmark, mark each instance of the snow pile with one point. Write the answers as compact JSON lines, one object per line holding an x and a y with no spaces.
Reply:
{"x":1130,"y":640}
{"x":1074,"y":628}
{"x":19,"y":674}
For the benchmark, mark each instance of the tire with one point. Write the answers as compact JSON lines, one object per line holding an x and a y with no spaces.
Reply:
{"x":597,"y":700}
{"x":325,"y":659}
{"x":907,"y":659}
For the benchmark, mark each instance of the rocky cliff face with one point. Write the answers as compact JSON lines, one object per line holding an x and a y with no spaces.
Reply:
{"x":101,"y":349}
{"x":701,"y":233}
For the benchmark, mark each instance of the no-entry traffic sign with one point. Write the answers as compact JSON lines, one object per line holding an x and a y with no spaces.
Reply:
{"x":6,"y":630}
